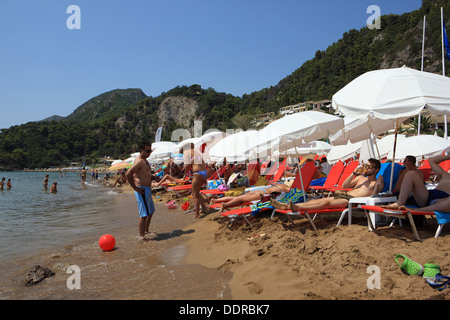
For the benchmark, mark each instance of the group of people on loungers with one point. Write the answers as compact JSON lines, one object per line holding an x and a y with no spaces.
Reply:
{"x":410,"y":188}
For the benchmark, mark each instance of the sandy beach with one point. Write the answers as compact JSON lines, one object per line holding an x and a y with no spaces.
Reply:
{"x":202,"y":259}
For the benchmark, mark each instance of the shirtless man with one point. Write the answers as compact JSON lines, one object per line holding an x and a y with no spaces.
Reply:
{"x":2,"y":183}
{"x":427,"y":200}
{"x":410,"y":165}
{"x":251,"y":196}
{"x":193,"y":158}
{"x":140,"y":178}
{"x":362,"y":184}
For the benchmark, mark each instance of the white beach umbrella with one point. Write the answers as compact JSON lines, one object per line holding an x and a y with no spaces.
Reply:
{"x":384,"y":145}
{"x":343,"y":152}
{"x":116,"y":162}
{"x":393,"y":95}
{"x":156,"y":145}
{"x":162,"y":153}
{"x":235,"y":147}
{"x":426,"y":146}
{"x":358,"y":129}
{"x":294,"y":130}
{"x":184,"y":143}
{"x":315,"y":147}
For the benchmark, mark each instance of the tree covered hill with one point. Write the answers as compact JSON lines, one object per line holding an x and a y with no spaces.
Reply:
{"x":114,"y":123}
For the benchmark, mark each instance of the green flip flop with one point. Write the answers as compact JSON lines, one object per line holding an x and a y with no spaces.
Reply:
{"x":409,"y":266}
{"x":430,"y":270}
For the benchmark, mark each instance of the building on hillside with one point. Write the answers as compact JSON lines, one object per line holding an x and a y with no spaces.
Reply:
{"x":324,"y":105}
{"x":263,"y":119}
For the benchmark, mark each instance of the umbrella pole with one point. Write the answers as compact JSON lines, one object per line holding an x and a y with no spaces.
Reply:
{"x":376,"y":146}
{"x":301,"y":178}
{"x":393,"y":157}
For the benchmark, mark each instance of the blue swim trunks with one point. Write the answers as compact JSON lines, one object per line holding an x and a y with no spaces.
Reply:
{"x":203,"y":173}
{"x":145,"y":203}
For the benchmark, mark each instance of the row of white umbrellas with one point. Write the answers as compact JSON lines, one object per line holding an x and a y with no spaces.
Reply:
{"x":372,"y":104}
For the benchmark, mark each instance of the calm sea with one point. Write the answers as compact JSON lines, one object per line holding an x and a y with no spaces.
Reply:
{"x":33,"y":219}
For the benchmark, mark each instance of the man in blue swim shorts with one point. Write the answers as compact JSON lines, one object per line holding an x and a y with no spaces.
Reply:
{"x":414,"y":192}
{"x":140,"y":178}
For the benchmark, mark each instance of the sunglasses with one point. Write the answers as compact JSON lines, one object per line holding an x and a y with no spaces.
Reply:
{"x":148,"y":151}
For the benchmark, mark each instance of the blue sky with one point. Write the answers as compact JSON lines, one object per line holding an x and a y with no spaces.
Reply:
{"x":233,"y":46}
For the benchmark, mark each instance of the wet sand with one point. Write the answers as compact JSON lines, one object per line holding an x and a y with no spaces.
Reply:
{"x":134,"y":270}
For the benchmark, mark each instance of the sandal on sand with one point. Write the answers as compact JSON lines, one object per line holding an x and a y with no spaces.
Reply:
{"x":439,"y":282}
{"x":430,"y":270}
{"x":409,"y":266}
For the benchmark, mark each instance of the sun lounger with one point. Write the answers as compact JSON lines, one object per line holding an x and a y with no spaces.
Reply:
{"x":332,"y":179}
{"x":441,"y":217}
{"x":348,"y":169}
{"x":279,"y":174}
{"x":307,"y":213}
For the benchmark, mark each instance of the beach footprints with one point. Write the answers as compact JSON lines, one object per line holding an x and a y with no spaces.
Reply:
{"x":254,"y":287}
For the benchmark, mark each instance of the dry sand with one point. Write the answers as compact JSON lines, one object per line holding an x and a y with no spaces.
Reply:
{"x":295,"y":263}
{"x":275,"y":260}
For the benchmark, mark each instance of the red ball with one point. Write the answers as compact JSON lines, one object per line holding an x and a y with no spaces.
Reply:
{"x":107,"y":242}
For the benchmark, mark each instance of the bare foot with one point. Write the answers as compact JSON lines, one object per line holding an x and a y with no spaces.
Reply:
{"x":222,"y":208}
{"x":293,"y":207}
{"x":393,"y":206}
{"x":278,"y":205}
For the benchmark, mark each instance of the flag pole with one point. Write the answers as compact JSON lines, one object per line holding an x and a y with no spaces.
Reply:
{"x":423,"y":54}
{"x":443,"y":66}
{"x":443,"y":50}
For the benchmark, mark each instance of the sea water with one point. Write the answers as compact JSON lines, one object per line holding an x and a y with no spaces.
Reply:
{"x":33,"y":219}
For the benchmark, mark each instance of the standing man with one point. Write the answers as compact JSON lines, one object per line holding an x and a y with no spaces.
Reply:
{"x":140,"y":178}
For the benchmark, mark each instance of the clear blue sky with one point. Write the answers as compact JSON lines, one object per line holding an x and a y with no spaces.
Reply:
{"x":233,"y":46}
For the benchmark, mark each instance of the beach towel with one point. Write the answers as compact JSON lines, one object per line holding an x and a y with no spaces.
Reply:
{"x":294,"y":195}
{"x":385,"y":171}
{"x":318,"y":182}
{"x":442,"y":217}
{"x":214,"y":184}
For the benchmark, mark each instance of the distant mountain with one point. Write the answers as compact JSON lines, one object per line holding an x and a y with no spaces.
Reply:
{"x":106,"y":104}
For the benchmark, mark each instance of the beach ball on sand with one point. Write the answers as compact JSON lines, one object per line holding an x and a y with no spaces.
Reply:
{"x":107,"y":242}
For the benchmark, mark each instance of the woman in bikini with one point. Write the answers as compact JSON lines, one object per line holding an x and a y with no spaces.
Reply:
{"x":193,"y":158}
{"x":255,"y":195}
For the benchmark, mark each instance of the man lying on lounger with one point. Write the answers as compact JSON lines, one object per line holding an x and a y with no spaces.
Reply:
{"x":255,"y":195}
{"x":363,"y":183}
{"x":414,"y":192}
